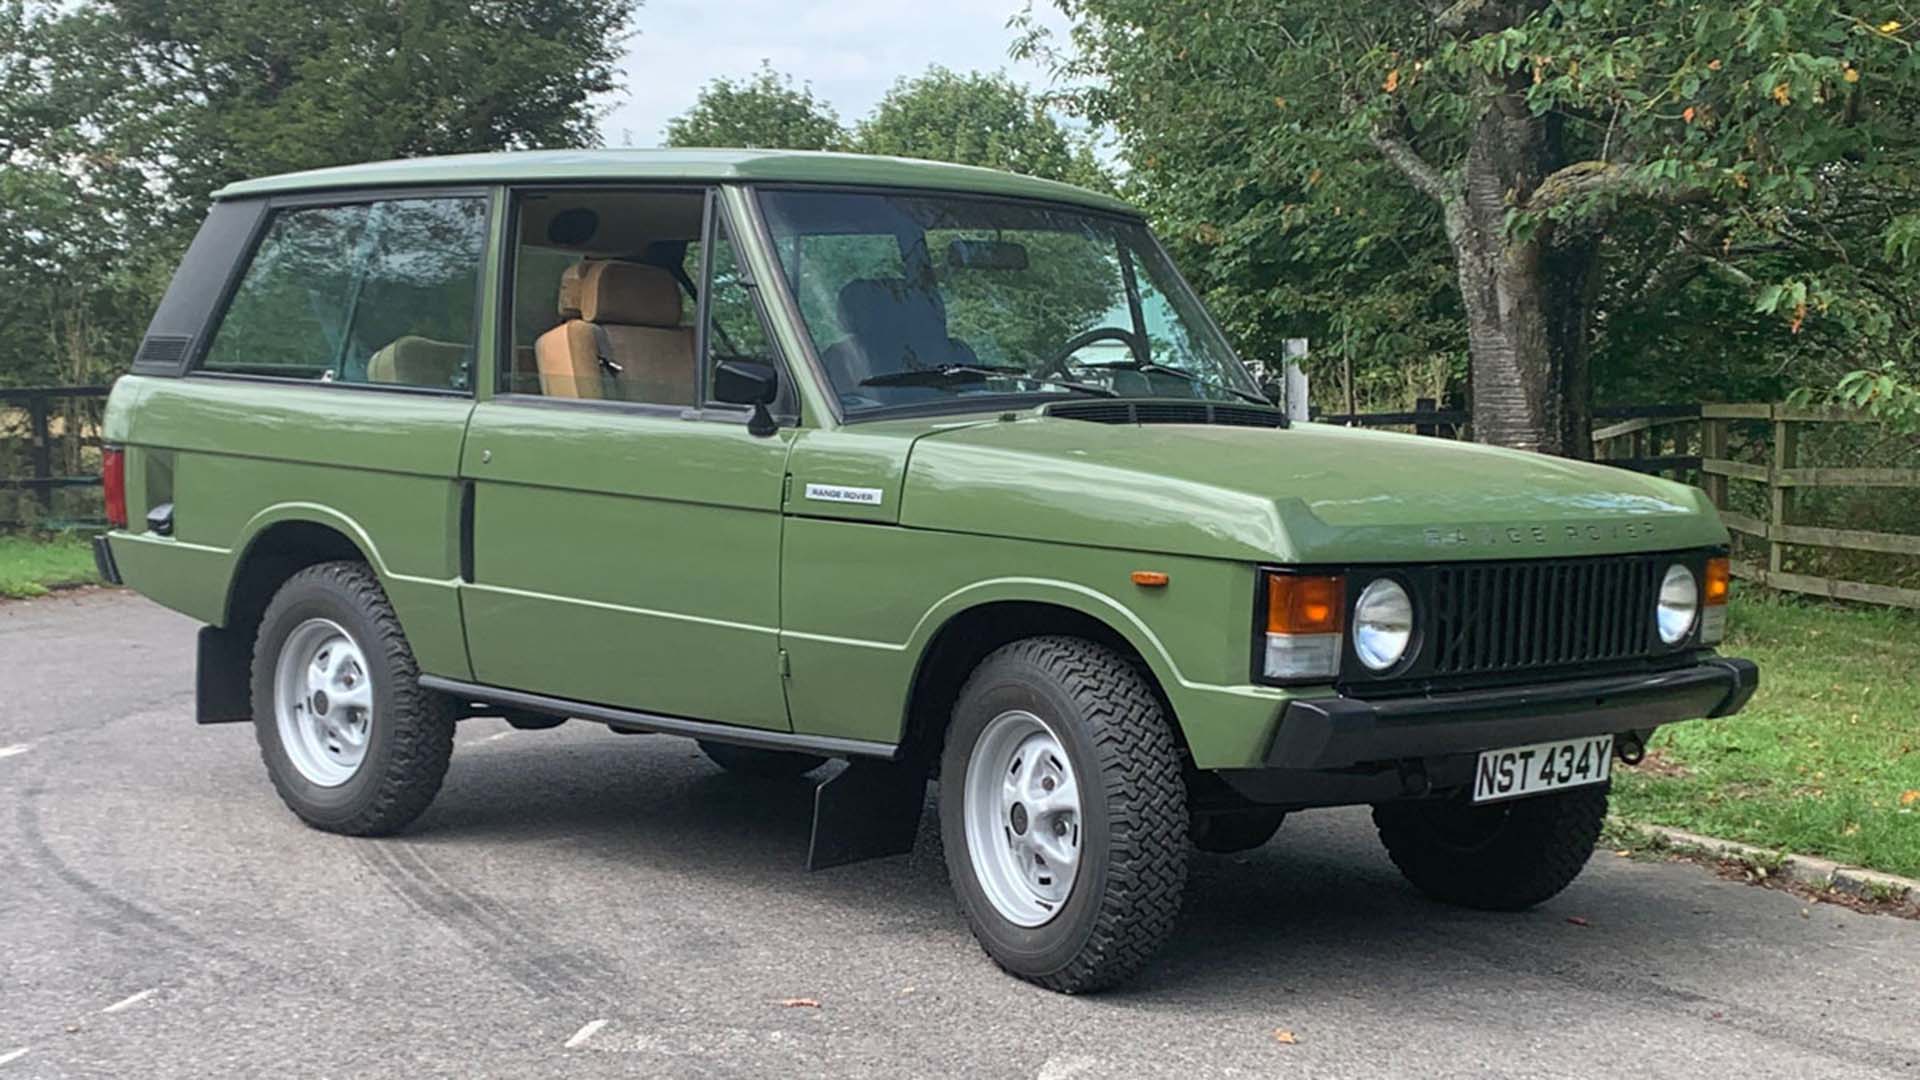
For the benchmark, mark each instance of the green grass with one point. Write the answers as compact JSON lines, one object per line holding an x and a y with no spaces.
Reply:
{"x":30,"y":564}
{"x":1819,"y":762}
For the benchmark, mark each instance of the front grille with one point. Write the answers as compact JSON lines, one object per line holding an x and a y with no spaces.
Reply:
{"x":1493,"y":617}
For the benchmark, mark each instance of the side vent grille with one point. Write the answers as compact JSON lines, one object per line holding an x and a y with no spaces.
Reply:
{"x":1168,"y":412}
{"x":162,"y":354}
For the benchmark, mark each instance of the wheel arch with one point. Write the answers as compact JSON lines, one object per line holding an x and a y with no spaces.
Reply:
{"x":282,"y":540}
{"x":969,"y":625}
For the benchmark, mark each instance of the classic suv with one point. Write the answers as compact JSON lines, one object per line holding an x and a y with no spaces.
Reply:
{"x":938,"y":470}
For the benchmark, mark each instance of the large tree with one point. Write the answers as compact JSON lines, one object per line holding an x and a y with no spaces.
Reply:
{"x":1585,"y":162}
{"x":119,"y":117}
{"x":765,"y":111}
{"x":977,"y":119}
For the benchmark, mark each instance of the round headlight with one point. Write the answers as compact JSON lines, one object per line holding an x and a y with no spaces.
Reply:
{"x":1679,"y":604}
{"x":1382,"y":624}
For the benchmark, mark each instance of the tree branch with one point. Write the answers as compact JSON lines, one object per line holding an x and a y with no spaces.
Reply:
{"x":1404,"y":157}
{"x":1589,"y":178}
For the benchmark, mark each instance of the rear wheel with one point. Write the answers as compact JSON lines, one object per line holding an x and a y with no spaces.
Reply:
{"x":753,"y":761}
{"x":351,"y":741}
{"x":1504,"y":856}
{"x":1063,"y":813}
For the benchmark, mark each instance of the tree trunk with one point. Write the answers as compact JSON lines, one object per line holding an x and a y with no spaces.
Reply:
{"x":1528,"y":300}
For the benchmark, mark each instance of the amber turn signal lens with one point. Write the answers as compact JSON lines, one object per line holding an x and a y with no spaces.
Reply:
{"x":1305,"y":605}
{"x":1149,"y":579}
{"x":1719,"y":582}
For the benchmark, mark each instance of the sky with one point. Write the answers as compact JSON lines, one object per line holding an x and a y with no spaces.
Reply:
{"x":850,"y":51}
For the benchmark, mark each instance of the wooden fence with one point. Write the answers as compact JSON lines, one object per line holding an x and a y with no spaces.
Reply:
{"x":53,"y":438}
{"x":1785,"y":477}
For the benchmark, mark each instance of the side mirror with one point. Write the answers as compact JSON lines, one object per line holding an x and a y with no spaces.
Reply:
{"x":749,"y":382}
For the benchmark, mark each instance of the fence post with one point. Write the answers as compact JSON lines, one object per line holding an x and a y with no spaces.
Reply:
{"x":42,"y":451}
{"x":1786,"y":453}
{"x":1713,"y":444}
{"x":1424,"y":405}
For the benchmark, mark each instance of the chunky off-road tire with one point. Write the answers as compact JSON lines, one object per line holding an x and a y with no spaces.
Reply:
{"x":765,"y":764}
{"x":409,"y":734}
{"x":1130,"y":824}
{"x":1241,"y":830}
{"x":1500,"y":857}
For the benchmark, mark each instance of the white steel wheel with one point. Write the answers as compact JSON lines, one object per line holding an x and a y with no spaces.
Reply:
{"x":323,"y":702}
{"x":1023,"y":819}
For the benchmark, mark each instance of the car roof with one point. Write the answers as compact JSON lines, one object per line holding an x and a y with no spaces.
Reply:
{"x":703,"y":166}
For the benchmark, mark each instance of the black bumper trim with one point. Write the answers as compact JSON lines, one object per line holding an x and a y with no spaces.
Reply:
{"x":103,"y":561}
{"x":1330,"y":733}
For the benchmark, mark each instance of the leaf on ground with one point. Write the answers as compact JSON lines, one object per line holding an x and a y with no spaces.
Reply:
{"x":1578,"y":920}
{"x":1284,"y":1037}
{"x":1908,"y":798}
{"x":798,"y":1003}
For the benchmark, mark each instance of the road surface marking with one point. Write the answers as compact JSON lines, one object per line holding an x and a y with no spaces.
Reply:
{"x":14,"y":1055}
{"x":129,"y":1002}
{"x":9,"y":751}
{"x":580,"y":1037}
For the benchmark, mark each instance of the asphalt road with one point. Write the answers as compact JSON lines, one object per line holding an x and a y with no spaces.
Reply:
{"x":605,"y":904}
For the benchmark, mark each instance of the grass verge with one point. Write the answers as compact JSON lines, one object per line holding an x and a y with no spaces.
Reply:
{"x":1824,"y":761}
{"x":31,"y":564}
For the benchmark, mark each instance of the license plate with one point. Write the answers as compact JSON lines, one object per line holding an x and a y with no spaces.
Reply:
{"x":1542,"y":767}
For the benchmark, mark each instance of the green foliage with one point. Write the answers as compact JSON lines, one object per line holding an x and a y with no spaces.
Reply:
{"x":30,"y":564}
{"x":1823,"y":760}
{"x":766,"y":111}
{"x":119,"y":117}
{"x":1747,"y":168}
{"x":976,"y":119}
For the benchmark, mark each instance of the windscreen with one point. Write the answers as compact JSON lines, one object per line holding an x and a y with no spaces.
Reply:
{"x":930,"y":300}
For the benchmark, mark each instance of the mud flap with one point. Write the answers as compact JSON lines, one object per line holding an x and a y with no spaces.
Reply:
{"x":868,"y":810}
{"x":223,"y":677}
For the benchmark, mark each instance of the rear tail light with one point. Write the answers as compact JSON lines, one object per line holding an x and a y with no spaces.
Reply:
{"x":113,"y":485}
{"x":1306,"y":618}
{"x":1715,"y":590}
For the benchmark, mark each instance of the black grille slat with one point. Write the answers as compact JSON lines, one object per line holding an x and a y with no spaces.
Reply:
{"x":1494,"y":617}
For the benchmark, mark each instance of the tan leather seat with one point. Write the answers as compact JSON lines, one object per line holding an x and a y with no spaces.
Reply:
{"x":412,"y":360}
{"x":622,"y":337}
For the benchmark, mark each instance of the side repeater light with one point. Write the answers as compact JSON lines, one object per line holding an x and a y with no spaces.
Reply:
{"x":1306,"y":620}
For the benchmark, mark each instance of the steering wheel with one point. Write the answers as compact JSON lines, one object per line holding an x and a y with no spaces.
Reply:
{"x":1057,"y":364}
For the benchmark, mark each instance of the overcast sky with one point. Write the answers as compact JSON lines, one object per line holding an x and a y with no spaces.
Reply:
{"x":851,"y":51}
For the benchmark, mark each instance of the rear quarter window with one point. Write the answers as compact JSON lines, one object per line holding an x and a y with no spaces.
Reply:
{"x":380,"y":293}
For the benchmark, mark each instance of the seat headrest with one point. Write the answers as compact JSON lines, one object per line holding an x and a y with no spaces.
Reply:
{"x":569,"y":302}
{"x":895,"y":323}
{"x":628,"y":294}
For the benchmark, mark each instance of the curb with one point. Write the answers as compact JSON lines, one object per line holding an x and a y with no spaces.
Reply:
{"x":1808,"y":870}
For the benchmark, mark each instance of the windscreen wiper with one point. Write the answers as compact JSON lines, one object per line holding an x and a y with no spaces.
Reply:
{"x":1152,"y":368}
{"x":947,"y":374}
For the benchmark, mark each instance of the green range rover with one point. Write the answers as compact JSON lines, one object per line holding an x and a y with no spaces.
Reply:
{"x":940,"y":471}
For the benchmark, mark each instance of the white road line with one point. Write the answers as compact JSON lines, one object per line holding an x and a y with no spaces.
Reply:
{"x":129,"y":1002}
{"x":9,"y":751}
{"x":579,"y":1037}
{"x":14,"y":1055}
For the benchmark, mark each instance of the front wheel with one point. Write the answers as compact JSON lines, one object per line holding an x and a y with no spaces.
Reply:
{"x":1063,"y":813}
{"x":1505,"y":856}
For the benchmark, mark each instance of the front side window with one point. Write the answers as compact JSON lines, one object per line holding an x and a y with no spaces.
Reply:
{"x":367,"y":293}
{"x":931,"y":300}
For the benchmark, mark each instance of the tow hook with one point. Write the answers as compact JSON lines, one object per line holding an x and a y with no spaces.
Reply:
{"x":1630,"y":747}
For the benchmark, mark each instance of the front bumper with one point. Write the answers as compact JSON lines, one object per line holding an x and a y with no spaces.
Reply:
{"x":1338,"y":732}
